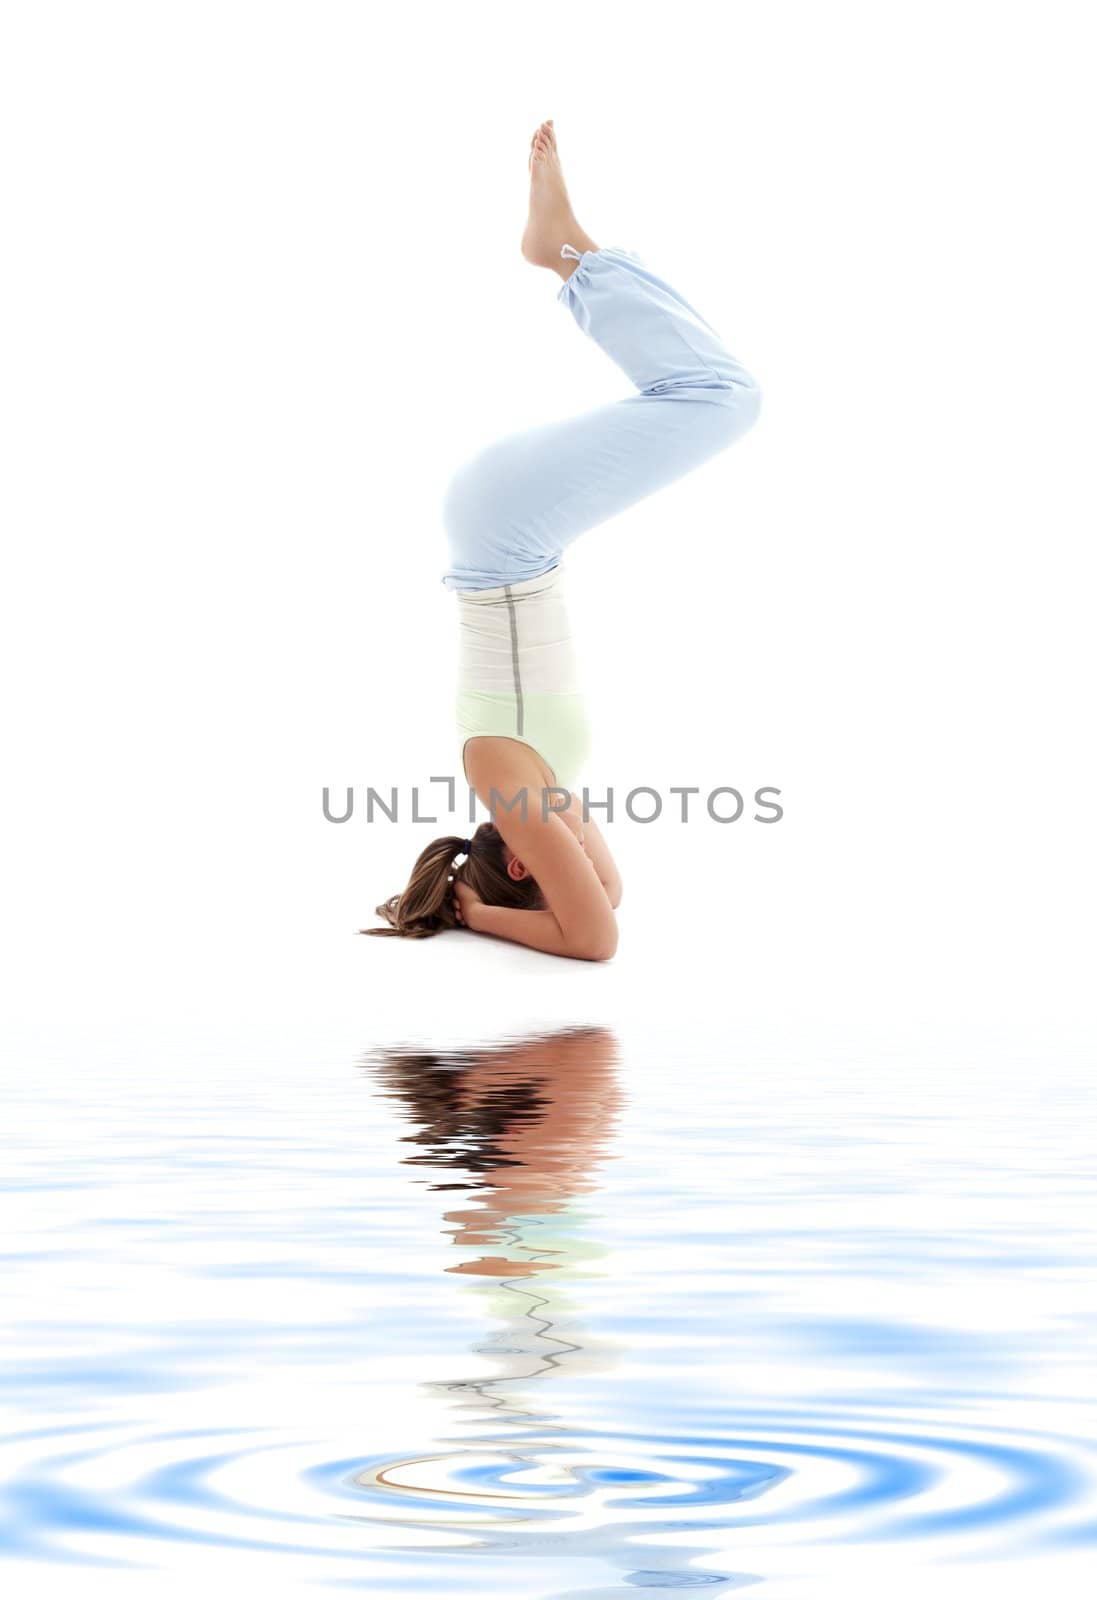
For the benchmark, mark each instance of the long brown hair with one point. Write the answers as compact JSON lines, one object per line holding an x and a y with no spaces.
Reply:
{"x":426,"y":905}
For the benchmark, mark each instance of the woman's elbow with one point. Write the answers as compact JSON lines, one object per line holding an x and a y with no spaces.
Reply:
{"x":600,"y":946}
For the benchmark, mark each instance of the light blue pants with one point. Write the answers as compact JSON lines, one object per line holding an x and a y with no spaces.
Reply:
{"x":511,"y":510}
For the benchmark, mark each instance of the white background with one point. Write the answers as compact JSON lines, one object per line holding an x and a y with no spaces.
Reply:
{"x":261,"y":295}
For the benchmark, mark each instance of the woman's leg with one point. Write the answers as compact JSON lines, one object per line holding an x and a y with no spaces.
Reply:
{"x":512,"y":511}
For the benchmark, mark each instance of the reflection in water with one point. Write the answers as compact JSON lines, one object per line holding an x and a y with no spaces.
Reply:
{"x":805,"y":1319}
{"x":524,"y":1123}
{"x":522,"y":1128}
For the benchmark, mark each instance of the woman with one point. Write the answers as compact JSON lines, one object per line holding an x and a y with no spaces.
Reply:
{"x":539,"y":873}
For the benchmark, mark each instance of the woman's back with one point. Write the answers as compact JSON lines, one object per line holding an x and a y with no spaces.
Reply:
{"x":518,"y":676}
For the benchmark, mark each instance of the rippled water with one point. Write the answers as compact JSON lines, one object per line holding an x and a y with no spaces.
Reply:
{"x":575,"y":1313}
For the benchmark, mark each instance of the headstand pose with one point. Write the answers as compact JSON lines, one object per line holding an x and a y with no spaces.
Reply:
{"x":538,"y":873}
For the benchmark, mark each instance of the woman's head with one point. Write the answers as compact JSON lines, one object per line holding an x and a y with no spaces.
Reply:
{"x":491,"y":870}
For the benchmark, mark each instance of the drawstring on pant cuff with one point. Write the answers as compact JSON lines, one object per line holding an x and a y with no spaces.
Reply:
{"x":569,"y":252}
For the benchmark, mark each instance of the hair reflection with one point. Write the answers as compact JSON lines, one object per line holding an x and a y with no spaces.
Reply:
{"x":521,"y":1128}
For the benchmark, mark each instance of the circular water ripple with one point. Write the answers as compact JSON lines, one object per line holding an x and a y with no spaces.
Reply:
{"x":833,"y":1478}
{"x":807,"y":1476}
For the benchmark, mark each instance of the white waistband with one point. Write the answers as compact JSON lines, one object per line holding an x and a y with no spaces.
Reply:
{"x":545,"y":582}
{"x":517,"y":637}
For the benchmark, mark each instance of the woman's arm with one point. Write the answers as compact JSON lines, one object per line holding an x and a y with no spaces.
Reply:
{"x":537,"y":929}
{"x":590,"y":837}
{"x":579,"y":919}
{"x":598,"y":850}
{"x":568,"y":881}
{"x":566,"y":876}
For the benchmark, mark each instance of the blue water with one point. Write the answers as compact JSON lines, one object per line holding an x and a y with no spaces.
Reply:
{"x":569,"y":1313}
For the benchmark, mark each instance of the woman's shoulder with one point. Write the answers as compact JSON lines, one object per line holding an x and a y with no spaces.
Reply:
{"x":503,"y":770}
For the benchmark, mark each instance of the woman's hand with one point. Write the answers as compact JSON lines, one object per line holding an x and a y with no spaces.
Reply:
{"x":465,"y":901}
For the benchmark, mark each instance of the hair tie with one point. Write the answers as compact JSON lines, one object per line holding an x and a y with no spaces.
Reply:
{"x":466,"y":847}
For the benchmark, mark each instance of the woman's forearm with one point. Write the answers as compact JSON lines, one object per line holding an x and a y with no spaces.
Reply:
{"x":539,"y":930}
{"x":595,"y":847}
{"x":604,"y":865}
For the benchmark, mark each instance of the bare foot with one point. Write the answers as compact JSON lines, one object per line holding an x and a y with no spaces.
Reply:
{"x":551,"y":220}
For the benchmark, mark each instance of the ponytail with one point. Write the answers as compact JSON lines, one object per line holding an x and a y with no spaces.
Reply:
{"x":426,"y":906}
